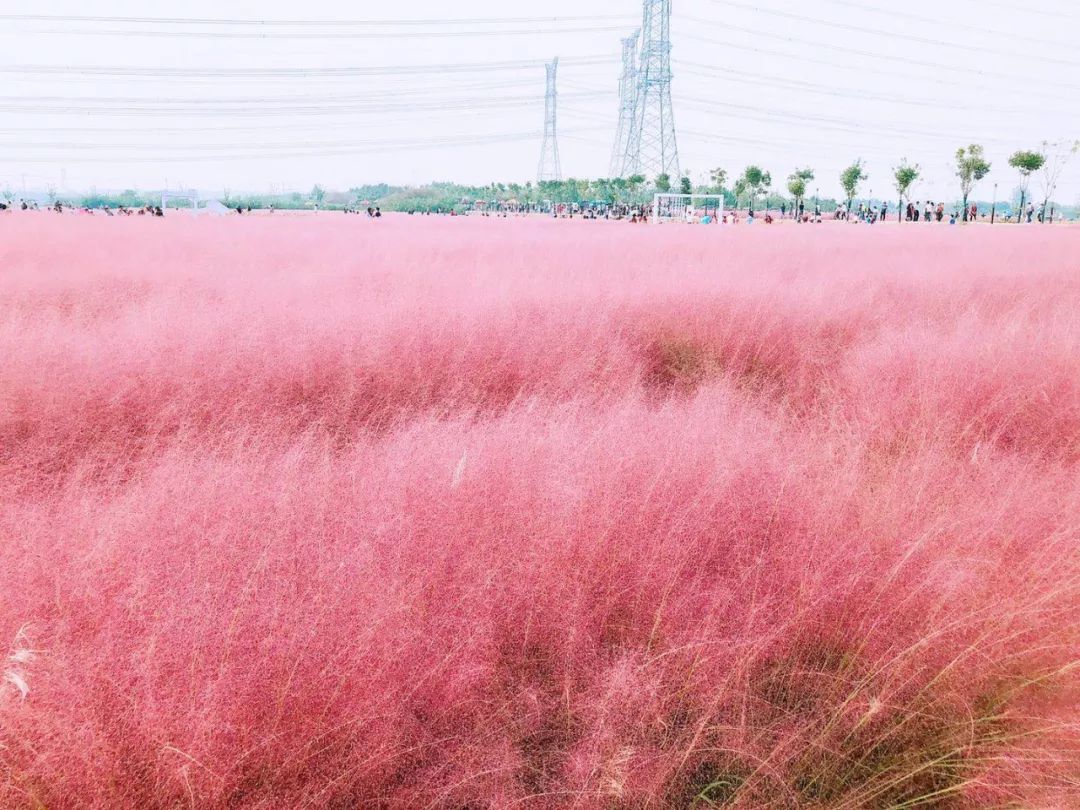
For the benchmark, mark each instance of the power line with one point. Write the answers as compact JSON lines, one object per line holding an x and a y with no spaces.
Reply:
{"x":287,"y":146}
{"x":906,"y":15}
{"x":332,"y":34}
{"x":313,"y":125}
{"x":742,"y":77}
{"x":758,"y":142}
{"x":259,"y":73}
{"x":874,"y":55}
{"x":864,"y":69}
{"x":396,"y":93}
{"x":271,"y":23}
{"x":747,"y":111}
{"x":353,"y":148}
{"x":201,"y":108}
{"x":1031,"y":8}
{"x":879,"y":32}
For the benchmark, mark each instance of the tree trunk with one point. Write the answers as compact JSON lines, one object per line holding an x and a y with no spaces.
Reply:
{"x":900,"y":209}
{"x":1020,"y":213}
{"x":965,"y":208}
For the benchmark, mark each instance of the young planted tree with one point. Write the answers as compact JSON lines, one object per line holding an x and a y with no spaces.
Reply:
{"x":971,"y":167}
{"x":796,"y":186}
{"x":1058,"y":155}
{"x":1026,"y":163}
{"x":663,"y":183}
{"x":685,"y":186}
{"x":756,"y":180}
{"x":850,"y":179}
{"x":904,"y":176}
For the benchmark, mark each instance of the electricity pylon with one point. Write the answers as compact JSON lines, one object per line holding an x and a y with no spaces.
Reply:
{"x":627,"y":103}
{"x":550,"y":167}
{"x":652,"y":149}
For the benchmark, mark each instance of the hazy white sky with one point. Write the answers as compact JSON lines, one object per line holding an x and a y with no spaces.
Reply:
{"x":780,"y":83}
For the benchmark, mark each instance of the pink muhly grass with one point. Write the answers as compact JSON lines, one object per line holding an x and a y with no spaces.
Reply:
{"x":319,"y":512}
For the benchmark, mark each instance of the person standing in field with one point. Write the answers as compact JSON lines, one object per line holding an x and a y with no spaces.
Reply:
{"x":915,"y":211}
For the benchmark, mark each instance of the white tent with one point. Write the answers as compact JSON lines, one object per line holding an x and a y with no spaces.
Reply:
{"x":214,"y":208}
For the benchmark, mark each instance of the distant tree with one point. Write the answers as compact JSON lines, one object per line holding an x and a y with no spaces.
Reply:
{"x":904,"y":176}
{"x":318,"y":193}
{"x":1027,"y":163}
{"x":1058,"y":155}
{"x":719,"y":180}
{"x":739,"y":189}
{"x":372,"y":192}
{"x":604,"y":189}
{"x":663,"y":183}
{"x":796,"y":185}
{"x":634,"y":183}
{"x":850,"y":179}
{"x":971,"y":167}
{"x":619,"y":187}
{"x":685,"y":186}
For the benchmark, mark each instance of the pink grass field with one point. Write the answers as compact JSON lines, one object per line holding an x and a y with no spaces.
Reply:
{"x":333,"y":513}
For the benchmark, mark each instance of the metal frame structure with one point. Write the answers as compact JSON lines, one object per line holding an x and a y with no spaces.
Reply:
{"x":550,"y":167}
{"x":681,"y":208}
{"x":627,"y":105}
{"x":191,"y":196}
{"x":652,"y":148}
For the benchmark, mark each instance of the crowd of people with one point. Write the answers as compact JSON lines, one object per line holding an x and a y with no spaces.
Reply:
{"x":62,"y":208}
{"x":935,"y":212}
{"x":917,"y":211}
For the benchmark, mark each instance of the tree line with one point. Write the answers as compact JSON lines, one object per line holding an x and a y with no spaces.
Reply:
{"x":752,"y":188}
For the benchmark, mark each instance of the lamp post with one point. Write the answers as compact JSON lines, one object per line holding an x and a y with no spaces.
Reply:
{"x":993,"y":208}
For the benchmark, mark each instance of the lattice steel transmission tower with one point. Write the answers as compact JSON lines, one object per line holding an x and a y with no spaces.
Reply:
{"x":652,"y":149}
{"x":550,"y":167}
{"x":627,"y":103}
